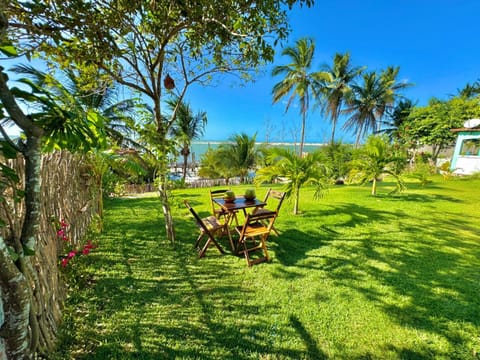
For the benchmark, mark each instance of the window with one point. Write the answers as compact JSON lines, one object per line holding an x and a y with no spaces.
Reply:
{"x":470,"y":147}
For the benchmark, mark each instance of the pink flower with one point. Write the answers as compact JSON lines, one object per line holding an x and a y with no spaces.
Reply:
{"x":64,"y":238}
{"x":85,"y":250}
{"x":65,"y":262}
{"x":90,"y":245}
{"x":60,"y":232}
{"x":71,"y":254}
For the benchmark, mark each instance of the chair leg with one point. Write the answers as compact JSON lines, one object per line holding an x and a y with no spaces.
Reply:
{"x":198,"y":241}
{"x":201,"y":252}
{"x":275,"y":231}
{"x":261,"y":246}
{"x":246,"y":253}
{"x":230,"y":239}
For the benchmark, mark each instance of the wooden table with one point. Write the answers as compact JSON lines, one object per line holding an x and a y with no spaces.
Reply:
{"x":238,"y":204}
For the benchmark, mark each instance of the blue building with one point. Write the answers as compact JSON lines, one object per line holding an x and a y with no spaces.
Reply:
{"x":466,"y":156}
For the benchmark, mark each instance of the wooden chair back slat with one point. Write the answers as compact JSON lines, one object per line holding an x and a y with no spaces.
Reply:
{"x":256,"y":226}
{"x":209,"y":227}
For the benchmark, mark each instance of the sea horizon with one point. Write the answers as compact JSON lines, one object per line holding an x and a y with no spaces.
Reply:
{"x":294,"y":143}
{"x":199,"y":147}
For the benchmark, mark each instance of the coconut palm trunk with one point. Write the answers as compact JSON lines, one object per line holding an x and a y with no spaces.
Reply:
{"x":296,"y":201}
{"x":185,"y":153}
{"x":302,"y":135}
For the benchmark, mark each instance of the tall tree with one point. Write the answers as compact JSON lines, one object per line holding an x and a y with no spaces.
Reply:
{"x":187,"y":127}
{"x":117,"y":116}
{"x":298,"y":79}
{"x":396,"y":118}
{"x":55,"y":119}
{"x":368,"y":102}
{"x":469,"y":91}
{"x":138,"y":44}
{"x":339,"y":76}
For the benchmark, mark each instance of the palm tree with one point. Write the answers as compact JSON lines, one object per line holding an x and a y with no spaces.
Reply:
{"x":368,"y":102}
{"x":116,"y":117}
{"x":187,"y":127}
{"x":298,"y":81}
{"x":470,"y":90}
{"x":240,"y":154}
{"x":299,"y":171}
{"x":375,"y":159}
{"x":339,"y":77}
{"x":66,"y":121}
{"x":397,"y":117}
{"x":214,"y":166}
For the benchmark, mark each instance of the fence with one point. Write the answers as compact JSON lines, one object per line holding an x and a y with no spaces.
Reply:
{"x":68,"y":192}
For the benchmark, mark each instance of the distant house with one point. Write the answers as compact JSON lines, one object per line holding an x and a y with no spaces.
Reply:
{"x":466,"y":156}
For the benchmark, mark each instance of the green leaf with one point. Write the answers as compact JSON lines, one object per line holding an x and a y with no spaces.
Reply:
{"x":9,"y":173}
{"x":8,"y":49}
{"x":28,"y":251}
{"x":13,"y":254}
{"x":7,"y":150}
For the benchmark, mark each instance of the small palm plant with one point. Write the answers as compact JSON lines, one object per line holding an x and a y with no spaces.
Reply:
{"x":297,"y":171}
{"x":376,"y":158}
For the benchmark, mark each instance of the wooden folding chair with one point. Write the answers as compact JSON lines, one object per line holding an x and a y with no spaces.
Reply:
{"x":217,"y":211}
{"x":278,"y":197}
{"x":256,"y":227}
{"x":209,"y":228}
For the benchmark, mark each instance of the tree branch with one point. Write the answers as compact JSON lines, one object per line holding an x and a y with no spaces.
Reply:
{"x":16,"y":114}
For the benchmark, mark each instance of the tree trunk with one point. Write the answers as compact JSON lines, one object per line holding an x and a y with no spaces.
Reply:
{"x":163,"y":191}
{"x":14,"y":332}
{"x":374,"y":186}
{"x":185,"y":165}
{"x":296,"y":201}
{"x":21,"y":331}
{"x":302,"y":135}
{"x":33,"y":162}
{"x":334,"y":125}
{"x":161,"y":133}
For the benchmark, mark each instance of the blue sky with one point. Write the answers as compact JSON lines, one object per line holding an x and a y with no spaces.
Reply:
{"x":435,"y":43}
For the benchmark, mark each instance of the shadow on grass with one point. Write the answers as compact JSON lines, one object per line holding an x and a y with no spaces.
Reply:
{"x":436,"y":276}
{"x":150,"y":300}
{"x":437,"y":272}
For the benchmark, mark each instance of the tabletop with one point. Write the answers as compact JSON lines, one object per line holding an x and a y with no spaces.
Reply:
{"x":239,"y":203}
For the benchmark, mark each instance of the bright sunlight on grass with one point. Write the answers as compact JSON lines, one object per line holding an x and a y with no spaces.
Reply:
{"x":352,"y":277}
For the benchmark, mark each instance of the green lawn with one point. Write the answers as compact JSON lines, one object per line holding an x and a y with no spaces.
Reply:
{"x":352,"y":277}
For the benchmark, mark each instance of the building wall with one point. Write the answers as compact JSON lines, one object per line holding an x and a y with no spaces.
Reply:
{"x":466,"y":163}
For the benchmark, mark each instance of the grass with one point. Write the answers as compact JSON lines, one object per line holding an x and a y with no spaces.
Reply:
{"x":352,"y":277}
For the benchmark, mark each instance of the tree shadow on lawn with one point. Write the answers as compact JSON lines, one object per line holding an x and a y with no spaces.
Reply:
{"x":293,"y":244}
{"x":433,"y":261}
{"x":439,"y":276}
{"x":168,"y":304}
{"x":352,"y":215}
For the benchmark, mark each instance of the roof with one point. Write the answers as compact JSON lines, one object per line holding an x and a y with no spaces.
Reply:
{"x":464,"y":129}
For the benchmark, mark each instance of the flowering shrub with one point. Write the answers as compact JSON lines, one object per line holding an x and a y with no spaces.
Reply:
{"x":71,"y":252}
